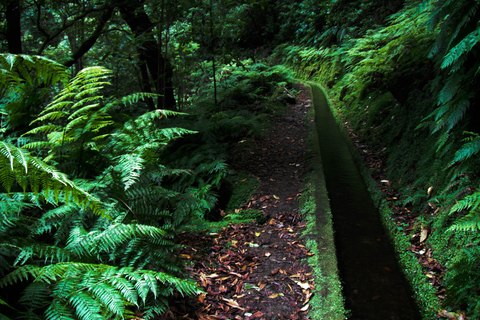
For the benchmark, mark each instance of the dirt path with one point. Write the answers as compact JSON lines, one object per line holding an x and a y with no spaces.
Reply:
{"x":258,"y":271}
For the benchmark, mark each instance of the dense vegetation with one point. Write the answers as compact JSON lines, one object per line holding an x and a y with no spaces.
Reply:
{"x":116,"y":117}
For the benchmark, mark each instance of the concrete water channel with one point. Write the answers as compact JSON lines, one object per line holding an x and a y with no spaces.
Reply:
{"x":373,"y":285}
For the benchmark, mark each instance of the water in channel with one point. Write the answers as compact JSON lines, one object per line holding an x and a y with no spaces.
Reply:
{"x":373,"y":285}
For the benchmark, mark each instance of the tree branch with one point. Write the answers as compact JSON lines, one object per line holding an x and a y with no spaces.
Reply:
{"x":88,"y":44}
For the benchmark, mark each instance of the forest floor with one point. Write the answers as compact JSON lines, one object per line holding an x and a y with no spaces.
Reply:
{"x":253,"y":271}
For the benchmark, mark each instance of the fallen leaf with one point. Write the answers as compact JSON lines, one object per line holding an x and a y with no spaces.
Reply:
{"x":303,"y":285}
{"x":232,"y":303}
{"x":258,"y":314}
{"x":423,"y":234}
{"x":305,"y":308}
{"x":213,"y":275}
{"x":308,"y":295}
{"x":273,"y":296}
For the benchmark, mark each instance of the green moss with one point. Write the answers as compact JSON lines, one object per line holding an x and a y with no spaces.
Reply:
{"x":328,"y":302}
{"x":243,"y":184}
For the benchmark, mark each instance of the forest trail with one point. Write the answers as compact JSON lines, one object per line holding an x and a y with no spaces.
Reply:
{"x":258,"y":271}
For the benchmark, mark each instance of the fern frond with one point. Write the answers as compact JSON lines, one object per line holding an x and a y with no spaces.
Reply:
{"x":50,"y":72}
{"x":59,"y":311}
{"x":467,"y":150}
{"x":136,"y":97}
{"x":462,"y":280}
{"x":96,"y":291}
{"x":36,"y":295}
{"x":46,"y":252}
{"x":86,"y":307}
{"x":15,"y":163}
{"x":130,"y":166}
{"x":469,"y":223}
{"x":108,"y":240}
{"x":470,"y":202}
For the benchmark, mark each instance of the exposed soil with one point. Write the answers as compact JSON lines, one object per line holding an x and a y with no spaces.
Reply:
{"x":257,"y":271}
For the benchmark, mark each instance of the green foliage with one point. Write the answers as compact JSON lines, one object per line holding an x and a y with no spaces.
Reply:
{"x":76,"y":121}
{"x":28,"y":172}
{"x":24,"y":80}
{"x":99,"y":237}
{"x":462,"y":281}
{"x":455,"y":51}
{"x":385,"y":88}
{"x":94,"y":291}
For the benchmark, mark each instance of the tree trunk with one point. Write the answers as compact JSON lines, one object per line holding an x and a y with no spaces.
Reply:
{"x":14,"y":35}
{"x":160,"y":71}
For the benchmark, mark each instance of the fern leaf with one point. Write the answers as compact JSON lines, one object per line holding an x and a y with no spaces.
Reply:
{"x":470,"y":202}
{"x":59,"y":311}
{"x":457,"y":114}
{"x":20,"y":274}
{"x":469,"y":223}
{"x":41,"y":129}
{"x":468,"y":150}
{"x":86,"y":307}
{"x":449,"y":90}
{"x":36,"y":295}
{"x":130,"y":166}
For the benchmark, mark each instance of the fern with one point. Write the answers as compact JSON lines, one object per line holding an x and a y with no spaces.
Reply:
{"x":124,"y":217}
{"x":94,"y":291}
{"x":462,"y":281}
{"x":456,"y":43}
{"x":469,"y":149}
{"x":17,"y":165}
{"x":23,"y":83}
{"x":471,"y":221}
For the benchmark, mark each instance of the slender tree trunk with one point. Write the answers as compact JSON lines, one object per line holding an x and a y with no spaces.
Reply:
{"x":160,"y":70}
{"x":213,"y":56}
{"x":14,"y":34}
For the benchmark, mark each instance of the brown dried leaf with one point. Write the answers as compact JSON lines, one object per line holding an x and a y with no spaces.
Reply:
{"x":232,"y":303}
